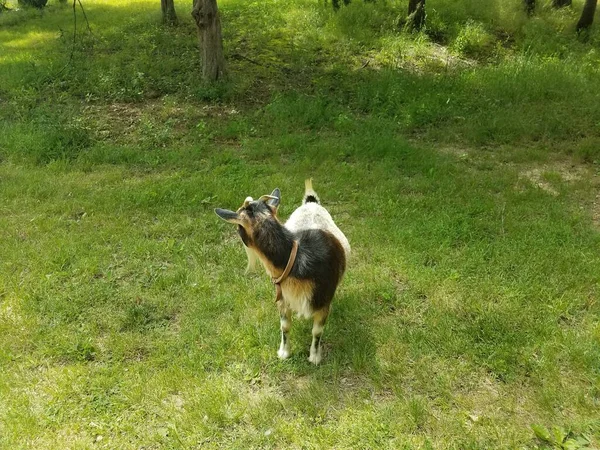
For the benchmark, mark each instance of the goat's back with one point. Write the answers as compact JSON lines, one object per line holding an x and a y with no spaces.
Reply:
{"x":311,"y":216}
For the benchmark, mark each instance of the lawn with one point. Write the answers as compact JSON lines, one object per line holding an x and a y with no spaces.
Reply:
{"x":463,"y":164}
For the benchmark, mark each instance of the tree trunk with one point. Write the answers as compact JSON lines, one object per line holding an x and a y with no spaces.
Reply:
{"x":561,"y":3}
{"x":416,"y":14}
{"x":168,"y":12}
{"x":529,"y":7}
{"x":587,"y":15}
{"x":206,"y":15}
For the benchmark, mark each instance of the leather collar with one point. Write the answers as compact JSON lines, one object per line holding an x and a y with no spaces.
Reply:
{"x":286,"y":272}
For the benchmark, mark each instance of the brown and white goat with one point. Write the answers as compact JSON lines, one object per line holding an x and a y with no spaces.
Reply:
{"x":306,"y":258}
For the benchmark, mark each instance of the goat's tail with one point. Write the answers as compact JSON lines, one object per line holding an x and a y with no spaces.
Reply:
{"x":309,"y":194}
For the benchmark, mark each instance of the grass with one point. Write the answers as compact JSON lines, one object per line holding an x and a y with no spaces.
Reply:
{"x":462,"y":163}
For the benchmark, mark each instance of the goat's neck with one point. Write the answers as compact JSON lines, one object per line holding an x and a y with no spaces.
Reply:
{"x":275,"y":242}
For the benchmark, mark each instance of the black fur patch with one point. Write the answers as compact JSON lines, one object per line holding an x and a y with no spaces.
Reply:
{"x":322,"y":260}
{"x":318,"y":341}
{"x":255,"y":208}
{"x":311,"y":198}
{"x":274,"y":241}
{"x":245,"y":238}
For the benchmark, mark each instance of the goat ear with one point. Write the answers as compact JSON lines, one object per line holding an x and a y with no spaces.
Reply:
{"x":274,"y":202}
{"x":228,"y":216}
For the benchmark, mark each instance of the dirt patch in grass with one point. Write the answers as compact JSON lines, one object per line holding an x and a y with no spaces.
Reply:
{"x":441,"y":54}
{"x":536,"y":177}
{"x":458,"y":152}
{"x":545,"y":176}
{"x":114,"y":121}
{"x":123,"y":123}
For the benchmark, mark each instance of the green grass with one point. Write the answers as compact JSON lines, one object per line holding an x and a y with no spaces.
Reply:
{"x":462,"y":164}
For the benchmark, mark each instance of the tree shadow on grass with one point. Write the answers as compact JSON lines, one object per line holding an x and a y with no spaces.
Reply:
{"x":281,"y":53}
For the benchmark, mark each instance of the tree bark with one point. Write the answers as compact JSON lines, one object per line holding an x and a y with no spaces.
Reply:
{"x":168,"y":12}
{"x":587,"y":15}
{"x":416,"y":14}
{"x":561,"y":3}
{"x":206,"y":15}
{"x":529,"y":7}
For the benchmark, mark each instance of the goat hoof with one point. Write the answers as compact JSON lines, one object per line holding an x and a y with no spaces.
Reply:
{"x":315,"y":359}
{"x":283,"y":353}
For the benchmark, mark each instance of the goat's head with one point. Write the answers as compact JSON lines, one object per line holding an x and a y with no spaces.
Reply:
{"x":252,"y":215}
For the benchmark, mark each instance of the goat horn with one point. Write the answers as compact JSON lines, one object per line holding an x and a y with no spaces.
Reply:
{"x":264,"y":198}
{"x":247,"y":202}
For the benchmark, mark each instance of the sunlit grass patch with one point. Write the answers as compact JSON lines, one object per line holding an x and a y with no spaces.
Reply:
{"x":461,"y":162}
{"x":449,"y":304}
{"x":29,"y":40}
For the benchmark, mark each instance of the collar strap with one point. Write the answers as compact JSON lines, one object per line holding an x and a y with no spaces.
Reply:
{"x":286,"y":272}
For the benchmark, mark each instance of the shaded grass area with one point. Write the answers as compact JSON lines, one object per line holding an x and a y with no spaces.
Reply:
{"x":469,"y":312}
{"x":498,"y":78}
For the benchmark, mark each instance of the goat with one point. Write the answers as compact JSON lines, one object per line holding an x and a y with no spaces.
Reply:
{"x":306,"y":258}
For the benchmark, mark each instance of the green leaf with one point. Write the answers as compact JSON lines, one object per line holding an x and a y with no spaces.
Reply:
{"x":542,"y":433}
{"x":570,"y":444}
{"x":559,"y":434}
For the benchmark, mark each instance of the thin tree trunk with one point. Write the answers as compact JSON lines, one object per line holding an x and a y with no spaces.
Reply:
{"x":561,"y":3}
{"x":416,"y":14}
{"x":206,"y":15}
{"x":587,"y":15}
{"x":168,"y":12}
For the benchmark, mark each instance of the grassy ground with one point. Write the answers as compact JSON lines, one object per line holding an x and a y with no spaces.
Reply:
{"x":462,"y":163}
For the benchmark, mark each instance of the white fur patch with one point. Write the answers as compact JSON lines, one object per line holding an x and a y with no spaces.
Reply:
{"x":297,"y":302}
{"x":315,"y":355}
{"x":317,"y":329}
{"x":313,"y":216}
{"x":283,"y":352}
{"x":252,"y":259}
